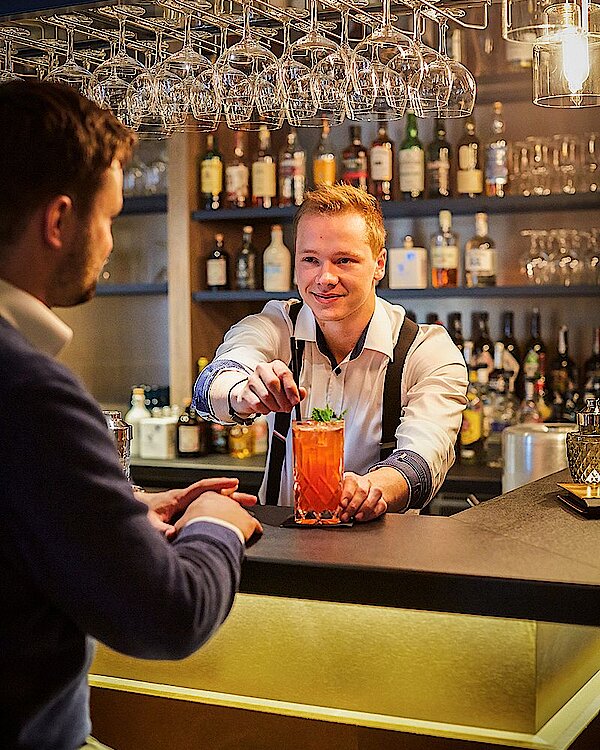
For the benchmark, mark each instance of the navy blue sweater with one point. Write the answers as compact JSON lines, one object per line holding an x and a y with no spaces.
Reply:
{"x":78,"y":557}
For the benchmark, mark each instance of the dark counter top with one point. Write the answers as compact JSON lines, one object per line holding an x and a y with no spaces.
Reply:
{"x":522,"y":555}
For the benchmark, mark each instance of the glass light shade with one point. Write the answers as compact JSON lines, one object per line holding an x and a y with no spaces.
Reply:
{"x":566,"y":71}
{"x":532,"y":20}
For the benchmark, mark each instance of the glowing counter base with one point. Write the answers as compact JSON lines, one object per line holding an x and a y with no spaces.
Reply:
{"x":356,"y":676}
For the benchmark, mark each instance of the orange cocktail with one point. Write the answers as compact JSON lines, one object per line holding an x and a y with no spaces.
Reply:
{"x":318,"y":470}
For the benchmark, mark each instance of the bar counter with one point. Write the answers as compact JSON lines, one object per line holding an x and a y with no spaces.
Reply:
{"x":477,"y":630}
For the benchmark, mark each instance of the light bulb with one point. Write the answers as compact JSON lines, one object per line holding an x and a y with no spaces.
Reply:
{"x":575,"y":58}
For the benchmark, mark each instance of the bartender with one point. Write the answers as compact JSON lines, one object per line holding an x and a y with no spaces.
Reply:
{"x":400,"y":386}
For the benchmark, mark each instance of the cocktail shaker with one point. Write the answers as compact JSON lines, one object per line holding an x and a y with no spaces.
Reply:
{"x":583,"y":446}
{"x":121,"y":432}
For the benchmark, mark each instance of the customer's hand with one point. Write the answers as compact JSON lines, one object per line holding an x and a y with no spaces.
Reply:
{"x":164,"y":506}
{"x":271,"y":387}
{"x":361,"y":499}
{"x":225,"y":508}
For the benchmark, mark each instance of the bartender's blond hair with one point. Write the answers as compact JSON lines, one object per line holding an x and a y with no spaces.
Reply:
{"x":341,"y":199}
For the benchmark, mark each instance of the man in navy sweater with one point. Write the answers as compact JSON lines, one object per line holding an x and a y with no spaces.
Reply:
{"x":82,"y":558}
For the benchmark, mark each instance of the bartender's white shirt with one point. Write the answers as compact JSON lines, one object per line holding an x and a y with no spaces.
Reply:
{"x":433,"y":385}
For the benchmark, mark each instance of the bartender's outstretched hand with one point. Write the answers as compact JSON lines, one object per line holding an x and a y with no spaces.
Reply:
{"x":271,"y":387}
{"x":164,"y":506}
{"x":361,"y":500}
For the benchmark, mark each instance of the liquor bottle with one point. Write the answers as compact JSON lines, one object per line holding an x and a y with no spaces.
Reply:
{"x":469,"y":175}
{"x":528,"y":411}
{"x":471,"y":431}
{"x":354,"y":161}
{"x":240,"y":441}
{"x":292,"y":171}
{"x":563,"y":381}
{"x":503,"y":407}
{"x":480,"y":256}
{"x":264,"y":172}
{"x":191,"y":433}
{"x":512,"y":354}
{"x":260,"y":429}
{"x":433,"y":318}
{"x":496,"y":157}
{"x":455,"y":329}
{"x":483,"y":346}
{"x":591,"y":370}
{"x":324,"y":166}
{"x":211,"y":175}
{"x":444,"y":254}
{"x":411,"y":163}
{"x":438,"y":159}
{"x":245,"y":262}
{"x":534,"y":366}
{"x":407,"y":266}
{"x":217,"y":266}
{"x":277,"y":263}
{"x":133,"y":417}
{"x":381,"y":165}
{"x":237,"y":174}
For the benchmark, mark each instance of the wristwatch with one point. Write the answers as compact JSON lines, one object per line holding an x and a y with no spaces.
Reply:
{"x":232,"y":413}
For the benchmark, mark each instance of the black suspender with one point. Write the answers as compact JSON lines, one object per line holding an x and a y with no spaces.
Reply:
{"x":391,"y":406}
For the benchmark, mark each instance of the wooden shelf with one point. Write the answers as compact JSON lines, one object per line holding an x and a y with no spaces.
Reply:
{"x":130,"y":290}
{"x":144,"y":204}
{"x":398,"y":295}
{"x":410,"y":209}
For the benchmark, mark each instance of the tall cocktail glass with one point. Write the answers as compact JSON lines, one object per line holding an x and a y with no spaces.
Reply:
{"x":318,"y":471}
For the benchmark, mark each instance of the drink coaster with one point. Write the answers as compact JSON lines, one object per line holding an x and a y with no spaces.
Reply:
{"x":290,"y":523}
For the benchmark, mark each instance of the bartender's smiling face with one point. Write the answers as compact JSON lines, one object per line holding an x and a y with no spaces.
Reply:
{"x":335,"y":268}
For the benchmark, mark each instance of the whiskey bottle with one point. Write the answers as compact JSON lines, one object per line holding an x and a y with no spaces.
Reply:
{"x":264,"y":172}
{"x":469,"y":175}
{"x":237,"y":174}
{"x":439,"y":155}
{"x":381,"y":165}
{"x":245,"y":262}
{"x":211,"y":176}
{"x":354,"y":161}
{"x":444,"y":254}
{"x":411,"y":165}
{"x":191,"y":434}
{"x":292,"y":171}
{"x":480,"y":256}
{"x":217,"y":266}
{"x":324,"y":164}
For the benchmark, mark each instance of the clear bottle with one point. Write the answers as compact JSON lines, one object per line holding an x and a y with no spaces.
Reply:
{"x":469,"y":175}
{"x":217,"y":266}
{"x":292,"y":171}
{"x":277,"y":263}
{"x":133,"y":417}
{"x":563,"y":381}
{"x":407,"y":266}
{"x":444,"y":254}
{"x":191,"y":433}
{"x":264,"y":172}
{"x":245,"y":262}
{"x":354,"y":161}
{"x":211,"y":175}
{"x":496,"y":157}
{"x":324,"y":162}
{"x":439,"y":156}
{"x":237,"y":174}
{"x":591,"y":369}
{"x":480,"y":256}
{"x":381,"y":165}
{"x":411,"y":163}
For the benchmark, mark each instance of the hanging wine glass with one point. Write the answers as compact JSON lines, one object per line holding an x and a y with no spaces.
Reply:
{"x":110,"y":81}
{"x":7,"y":72}
{"x":384,"y":67}
{"x":248,"y":83}
{"x":433,"y":90}
{"x":463,"y":88}
{"x":70,"y":72}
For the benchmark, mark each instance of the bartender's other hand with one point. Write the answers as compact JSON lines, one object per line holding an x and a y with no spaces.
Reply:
{"x":220,"y":506}
{"x":163,"y":506}
{"x":360,"y":499}
{"x":271,"y":387}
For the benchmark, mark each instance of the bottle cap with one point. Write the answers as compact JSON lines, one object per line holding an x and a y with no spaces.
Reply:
{"x":248,"y":229}
{"x":218,"y":237}
{"x":408,"y":241}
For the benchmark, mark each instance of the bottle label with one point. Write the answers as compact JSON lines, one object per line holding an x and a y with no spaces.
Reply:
{"x":188,"y":439}
{"x":216,"y":272}
{"x":354,"y":171}
{"x":276,"y":276}
{"x":482,"y":260}
{"x":472,"y":425}
{"x":469,"y":181}
{"x":245,"y":270}
{"x":264,"y":179}
{"x":445,"y":256}
{"x":407,"y":268}
{"x":292,"y":178}
{"x":324,"y":171}
{"x":412,"y":170}
{"x":439,"y":175}
{"x":496,"y":169}
{"x":381,"y":163}
{"x":236,"y":182}
{"x":211,"y":176}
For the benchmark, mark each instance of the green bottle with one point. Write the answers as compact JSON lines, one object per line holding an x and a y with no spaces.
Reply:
{"x":412,"y":161}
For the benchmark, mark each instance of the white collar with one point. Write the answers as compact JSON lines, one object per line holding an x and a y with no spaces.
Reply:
{"x":379,"y":334}
{"x":39,"y":325}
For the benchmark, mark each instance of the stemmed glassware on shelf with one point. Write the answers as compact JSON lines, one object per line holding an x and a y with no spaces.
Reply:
{"x":6,"y":67}
{"x":463,"y":89}
{"x":433,"y":91}
{"x":70,"y":72}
